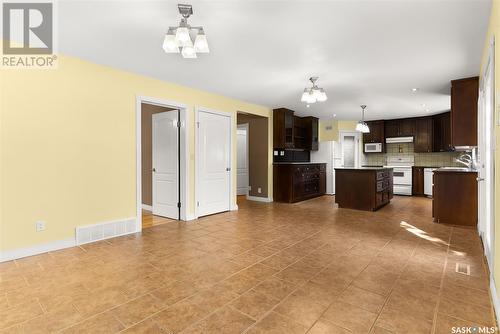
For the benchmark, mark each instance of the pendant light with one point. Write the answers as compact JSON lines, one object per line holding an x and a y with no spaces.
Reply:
{"x":362,"y":126}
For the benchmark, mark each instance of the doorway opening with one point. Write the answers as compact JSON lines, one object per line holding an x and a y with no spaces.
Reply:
{"x":252,"y":158}
{"x":161,"y":162}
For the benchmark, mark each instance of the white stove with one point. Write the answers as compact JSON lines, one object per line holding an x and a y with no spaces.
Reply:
{"x":401,"y":165}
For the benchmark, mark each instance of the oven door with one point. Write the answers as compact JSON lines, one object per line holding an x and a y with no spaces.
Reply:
{"x":402,"y":176}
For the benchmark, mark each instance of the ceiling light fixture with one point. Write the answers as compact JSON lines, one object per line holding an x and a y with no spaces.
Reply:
{"x":313,"y":94}
{"x":362,"y":126}
{"x":178,"y":39}
{"x":414,"y":90}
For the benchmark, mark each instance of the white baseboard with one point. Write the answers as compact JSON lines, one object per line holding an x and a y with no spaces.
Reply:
{"x":37,"y":249}
{"x":494,"y":298}
{"x":147,"y":207}
{"x":234,"y":207}
{"x":259,"y":199}
{"x":191,"y":216}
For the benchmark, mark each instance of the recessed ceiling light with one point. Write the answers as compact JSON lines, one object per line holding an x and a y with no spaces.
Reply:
{"x":307,"y":105}
{"x":424,"y":105}
{"x":427,"y":110}
{"x":334,"y":115}
{"x":414,"y":90}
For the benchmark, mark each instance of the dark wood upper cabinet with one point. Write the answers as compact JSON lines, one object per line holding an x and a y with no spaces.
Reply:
{"x":423,"y":135}
{"x":407,"y":127}
{"x":300,"y":133}
{"x":400,"y":127}
{"x":464,"y":96}
{"x":312,"y":126}
{"x":283,"y":128}
{"x":392,"y":128}
{"x":376,"y":134}
{"x":293,"y":132}
{"x":442,"y":132}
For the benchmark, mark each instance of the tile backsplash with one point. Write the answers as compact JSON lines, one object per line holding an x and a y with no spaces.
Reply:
{"x":437,"y":159}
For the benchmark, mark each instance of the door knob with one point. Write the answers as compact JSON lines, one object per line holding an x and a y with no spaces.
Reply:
{"x":153,"y":170}
{"x":479,"y":179}
{"x":228,"y":169}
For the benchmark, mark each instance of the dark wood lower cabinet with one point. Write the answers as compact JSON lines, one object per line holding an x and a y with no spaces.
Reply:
{"x":417,"y":184}
{"x":455,"y":198}
{"x":363,"y":188}
{"x":295,"y":182}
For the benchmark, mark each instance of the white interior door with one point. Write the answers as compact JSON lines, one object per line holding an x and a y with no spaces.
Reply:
{"x":214,"y":172}
{"x":485,"y":159}
{"x":165,"y":164}
{"x":242,"y":172}
{"x":349,"y":149}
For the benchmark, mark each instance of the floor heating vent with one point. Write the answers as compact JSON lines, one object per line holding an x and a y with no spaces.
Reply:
{"x":462,"y":268}
{"x":92,"y":233}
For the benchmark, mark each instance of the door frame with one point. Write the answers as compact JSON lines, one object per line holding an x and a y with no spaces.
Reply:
{"x":247,"y":129}
{"x":232,"y":173}
{"x":489,"y":186}
{"x":357,"y":151}
{"x":184,"y":162}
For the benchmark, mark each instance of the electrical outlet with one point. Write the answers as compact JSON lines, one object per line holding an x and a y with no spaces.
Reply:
{"x":40,"y":226}
{"x":259,"y":190}
{"x":249,"y":188}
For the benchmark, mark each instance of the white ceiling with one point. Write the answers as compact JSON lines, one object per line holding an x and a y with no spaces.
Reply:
{"x":365,"y":52}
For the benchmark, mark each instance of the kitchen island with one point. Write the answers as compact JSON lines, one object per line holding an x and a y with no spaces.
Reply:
{"x":365,"y":188}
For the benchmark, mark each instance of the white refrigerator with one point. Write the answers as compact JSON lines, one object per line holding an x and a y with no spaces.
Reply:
{"x":329,"y":152}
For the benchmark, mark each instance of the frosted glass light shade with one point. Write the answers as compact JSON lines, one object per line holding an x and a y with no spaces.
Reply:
{"x":305,"y":96}
{"x":322,"y":95}
{"x":362,"y":127}
{"x":170,"y":44}
{"x":188,"y":52}
{"x":182,"y":37}
{"x":201,"y":43}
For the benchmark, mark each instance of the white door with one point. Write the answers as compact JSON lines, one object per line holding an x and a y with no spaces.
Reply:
{"x":485,"y":159}
{"x":214,"y":172}
{"x":242,"y":173}
{"x":165,"y":164}
{"x":350,"y":149}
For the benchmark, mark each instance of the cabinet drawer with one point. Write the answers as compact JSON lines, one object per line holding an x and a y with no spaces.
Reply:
{"x":382,"y":174}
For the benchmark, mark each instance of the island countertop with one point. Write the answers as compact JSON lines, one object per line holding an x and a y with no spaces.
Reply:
{"x":362,"y":168}
{"x":299,"y":163}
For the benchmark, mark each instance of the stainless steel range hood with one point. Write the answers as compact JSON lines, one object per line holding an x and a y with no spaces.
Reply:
{"x":396,"y":140}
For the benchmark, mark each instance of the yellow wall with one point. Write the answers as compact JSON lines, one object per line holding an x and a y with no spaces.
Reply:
{"x":329,"y":129}
{"x":494,"y":31}
{"x":67,"y":144}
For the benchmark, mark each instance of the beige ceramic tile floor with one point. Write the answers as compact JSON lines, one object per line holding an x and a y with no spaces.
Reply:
{"x":268,"y":268}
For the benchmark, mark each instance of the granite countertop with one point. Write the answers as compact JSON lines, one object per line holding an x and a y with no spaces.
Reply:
{"x":298,"y":163}
{"x":362,"y":168}
{"x":454,"y":170}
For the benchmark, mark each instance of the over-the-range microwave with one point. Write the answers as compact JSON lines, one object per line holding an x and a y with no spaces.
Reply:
{"x":373,"y":147}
